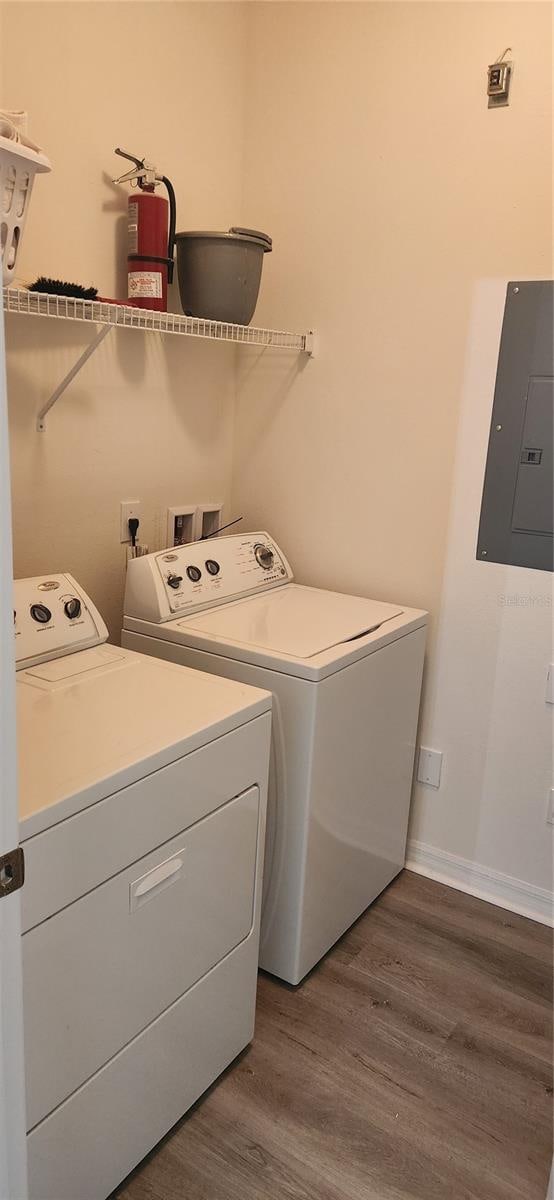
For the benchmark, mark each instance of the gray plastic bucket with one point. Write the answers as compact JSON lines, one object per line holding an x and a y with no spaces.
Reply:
{"x":219,"y":273}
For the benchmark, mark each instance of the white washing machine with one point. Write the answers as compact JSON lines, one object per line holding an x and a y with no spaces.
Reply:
{"x":345,"y":673}
{"x":142,"y":804}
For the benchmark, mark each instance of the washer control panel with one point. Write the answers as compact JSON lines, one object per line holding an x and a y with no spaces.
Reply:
{"x":203,"y":574}
{"x":53,"y":616}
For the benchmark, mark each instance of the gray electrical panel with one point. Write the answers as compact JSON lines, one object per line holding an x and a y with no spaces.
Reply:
{"x":517,"y":512}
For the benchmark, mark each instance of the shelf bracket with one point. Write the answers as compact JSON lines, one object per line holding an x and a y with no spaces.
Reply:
{"x":41,"y":418}
{"x":309,"y":344}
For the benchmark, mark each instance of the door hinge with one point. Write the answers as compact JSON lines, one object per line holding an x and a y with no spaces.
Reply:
{"x":12,"y":871}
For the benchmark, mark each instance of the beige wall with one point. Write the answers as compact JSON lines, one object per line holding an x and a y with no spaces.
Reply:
{"x":391,"y":191}
{"x":148,"y":418}
{"x":389,"y":188}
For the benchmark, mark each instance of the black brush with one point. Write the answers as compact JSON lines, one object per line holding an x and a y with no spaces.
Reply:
{"x":57,"y":287}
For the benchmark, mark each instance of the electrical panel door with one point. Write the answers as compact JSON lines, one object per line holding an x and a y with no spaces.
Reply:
{"x":517,"y":512}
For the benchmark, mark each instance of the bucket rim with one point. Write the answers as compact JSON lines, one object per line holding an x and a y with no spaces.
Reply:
{"x":230,"y":235}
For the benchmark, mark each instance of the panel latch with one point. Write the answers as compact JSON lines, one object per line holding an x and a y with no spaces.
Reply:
{"x":12,"y":871}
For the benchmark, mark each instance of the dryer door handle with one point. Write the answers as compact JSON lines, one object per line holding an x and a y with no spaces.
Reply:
{"x":156,"y":880}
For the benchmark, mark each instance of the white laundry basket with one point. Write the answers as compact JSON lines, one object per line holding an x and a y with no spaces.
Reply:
{"x":18,"y":167}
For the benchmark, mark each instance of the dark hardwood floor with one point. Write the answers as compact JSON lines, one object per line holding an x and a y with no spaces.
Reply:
{"x":414,"y":1063}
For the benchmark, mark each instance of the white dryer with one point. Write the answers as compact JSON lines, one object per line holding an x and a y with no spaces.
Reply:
{"x":345,"y":673}
{"x":142,"y":802}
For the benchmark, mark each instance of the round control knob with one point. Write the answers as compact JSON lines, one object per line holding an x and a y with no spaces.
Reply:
{"x":212,"y":567}
{"x":264,"y":556}
{"x":41,"y":613}
{"x":72,"y":608}
{"x":174,"y":581}
{"x":194,"y":574}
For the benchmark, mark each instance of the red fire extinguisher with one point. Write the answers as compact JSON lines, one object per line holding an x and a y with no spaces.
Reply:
{"x":150,"y":246}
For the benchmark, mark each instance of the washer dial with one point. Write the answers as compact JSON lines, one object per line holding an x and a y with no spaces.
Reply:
{"x":264,"y":556}
{"x":72,"y":608}
{"x":41,"y":613}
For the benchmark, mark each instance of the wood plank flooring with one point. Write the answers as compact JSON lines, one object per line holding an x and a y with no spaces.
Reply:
{"x":414,"y":1063}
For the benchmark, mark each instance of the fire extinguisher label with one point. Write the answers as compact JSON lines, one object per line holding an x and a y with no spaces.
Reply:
{"x":132,"y":228}
{"x":144,"y":283}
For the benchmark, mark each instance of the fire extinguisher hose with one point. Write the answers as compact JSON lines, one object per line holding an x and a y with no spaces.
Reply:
{"x":172,"y":223}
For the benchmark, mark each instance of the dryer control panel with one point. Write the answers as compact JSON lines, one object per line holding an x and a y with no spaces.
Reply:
{"x":53,"y":616}
{"x":203,"y":574}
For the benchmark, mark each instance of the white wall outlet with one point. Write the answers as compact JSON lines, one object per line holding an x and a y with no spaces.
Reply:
{"x":208,"y":519}
{"x":181,"y":525}
{"x":128,"y":509}
{"x":550,"y":808}
{"x":429,"y":767}
{"x":550,"y":685}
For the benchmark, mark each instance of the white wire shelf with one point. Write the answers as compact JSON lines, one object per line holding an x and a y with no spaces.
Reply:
{"x":121,"y":316}
{"x":99,"y":312}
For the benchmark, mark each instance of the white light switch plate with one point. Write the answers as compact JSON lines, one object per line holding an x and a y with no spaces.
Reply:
{"x":429,"y":766}
{"x":550,"y":685}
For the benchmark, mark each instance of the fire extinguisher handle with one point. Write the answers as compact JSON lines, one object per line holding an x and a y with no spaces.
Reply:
{"x":139,"y":162}
{"x":172,"y":223}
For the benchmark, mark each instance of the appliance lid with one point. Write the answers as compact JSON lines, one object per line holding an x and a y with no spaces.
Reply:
{"x":295,"y":621}
{"x":83,"y":736}
{"x":57,"y":670}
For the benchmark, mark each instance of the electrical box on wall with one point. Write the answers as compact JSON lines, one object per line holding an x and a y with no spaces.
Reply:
{"x":181,"y":522}
{"x":499,"y":78}
{"x":191,"y":522}
{"x":429,"y":767}
{"x":208,"y":519}
{"x":517,"y":512}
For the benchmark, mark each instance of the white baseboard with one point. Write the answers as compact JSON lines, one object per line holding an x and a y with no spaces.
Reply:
{"x":483,"y":882}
